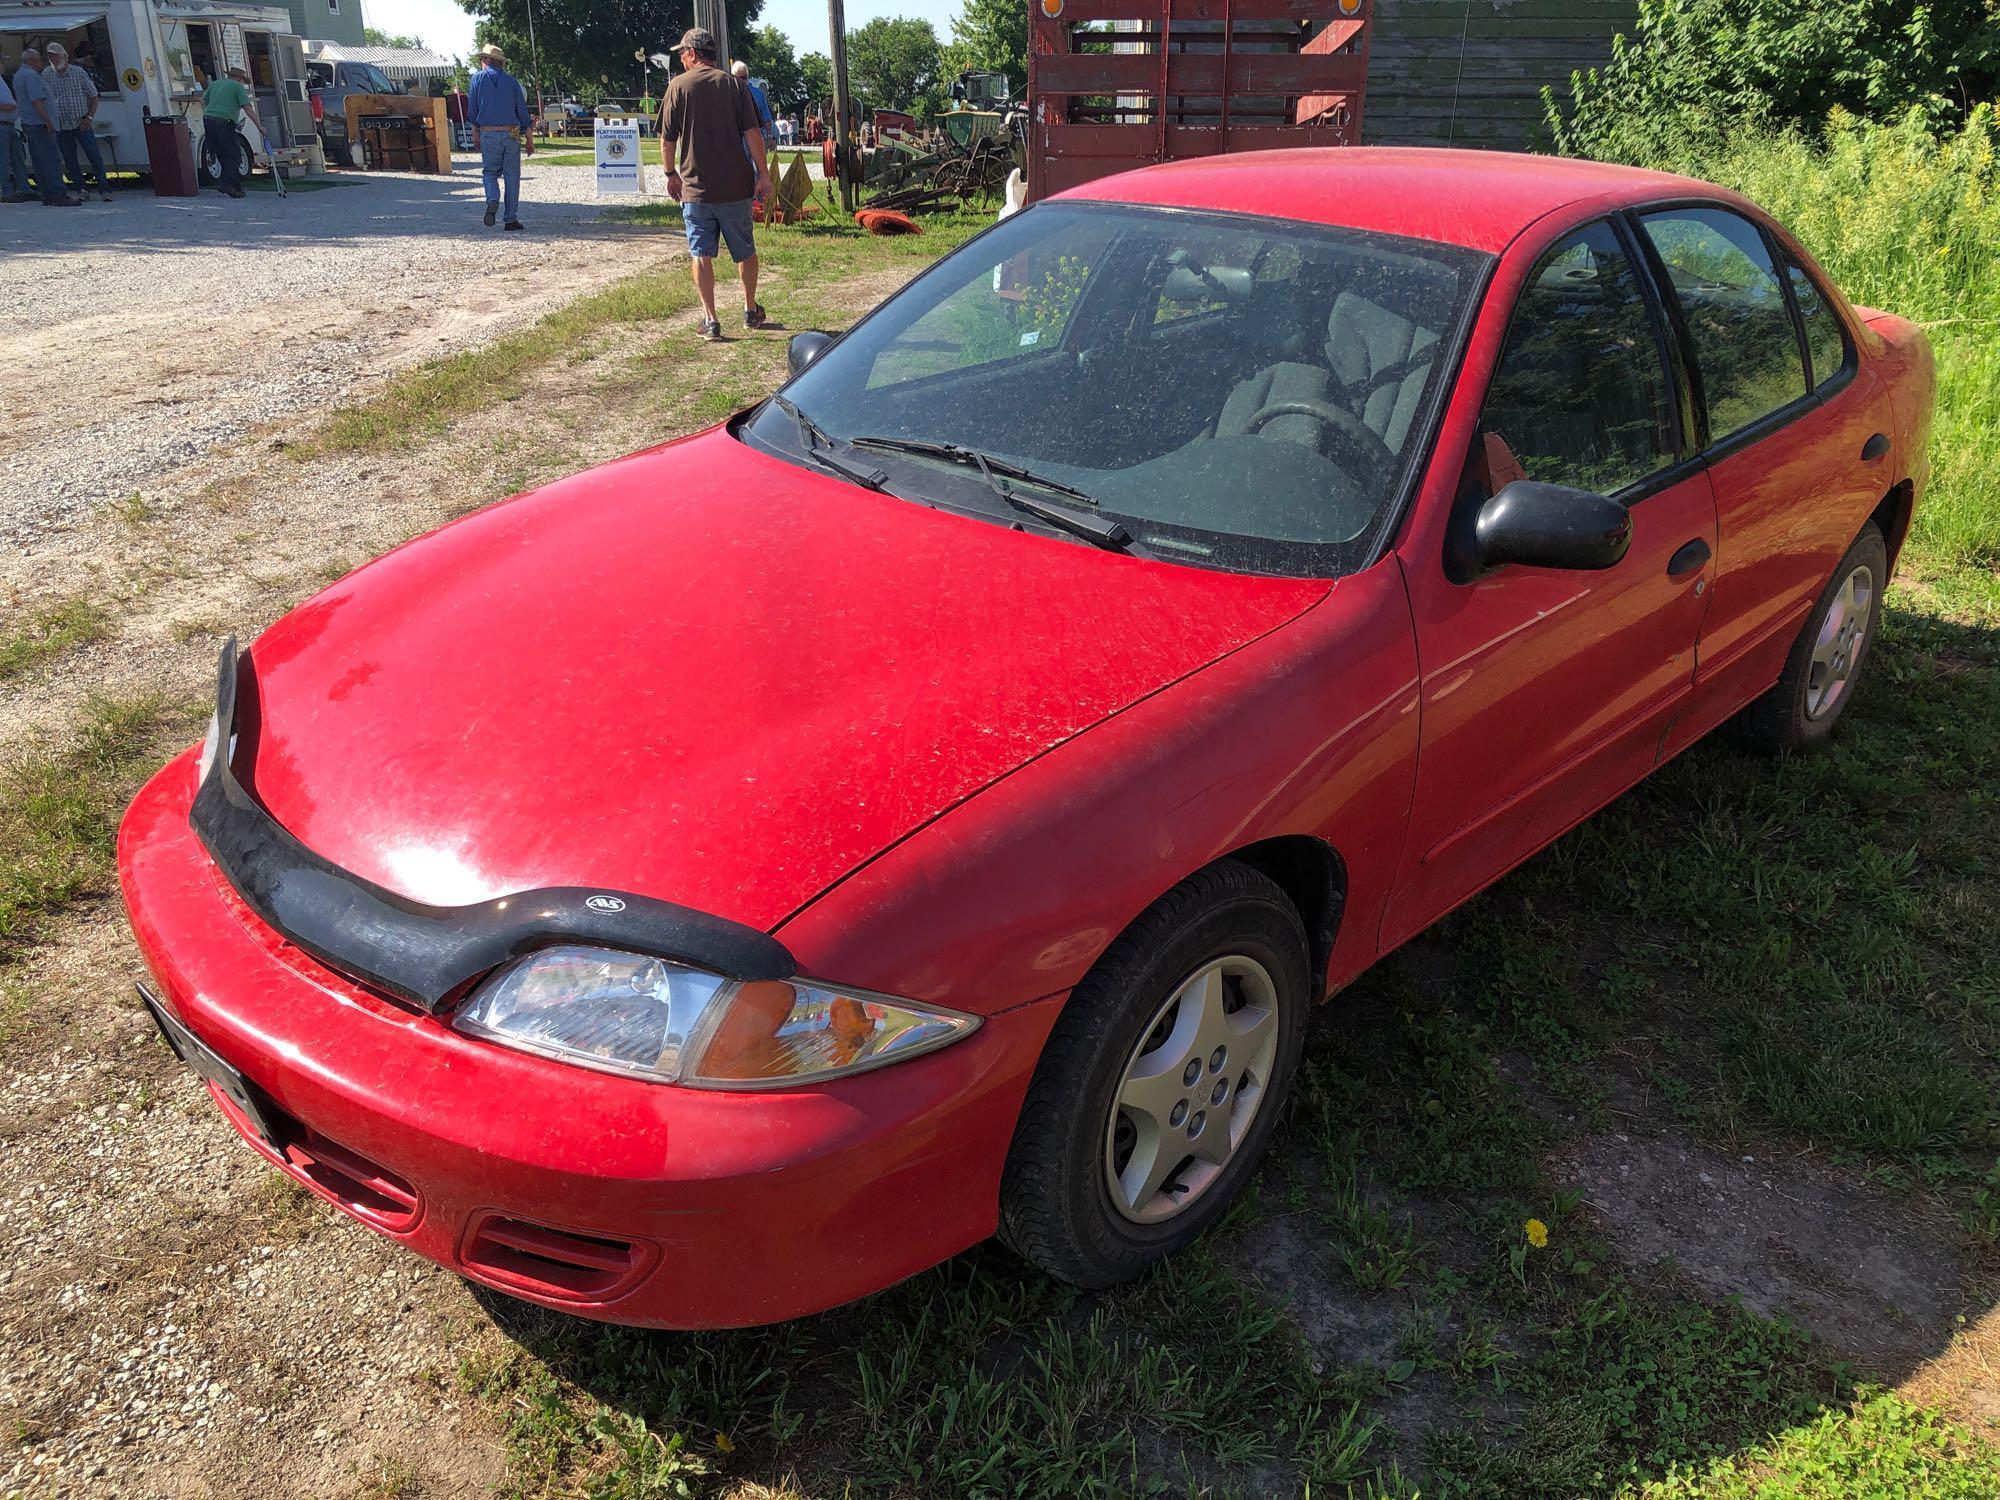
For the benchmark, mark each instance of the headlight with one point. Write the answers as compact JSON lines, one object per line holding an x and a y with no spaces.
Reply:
{"x":656,"y":1019}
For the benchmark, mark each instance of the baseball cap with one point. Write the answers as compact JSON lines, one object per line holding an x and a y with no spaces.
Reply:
{"x":699,"y":39}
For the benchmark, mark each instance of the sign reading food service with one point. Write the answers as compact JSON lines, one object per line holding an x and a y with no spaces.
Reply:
{"x":618,"y":169}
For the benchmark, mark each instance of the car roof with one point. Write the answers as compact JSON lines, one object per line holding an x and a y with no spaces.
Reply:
{"x":1479,"y":199}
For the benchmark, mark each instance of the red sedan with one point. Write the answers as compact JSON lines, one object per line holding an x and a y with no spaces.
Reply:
{"x":717,"y":885}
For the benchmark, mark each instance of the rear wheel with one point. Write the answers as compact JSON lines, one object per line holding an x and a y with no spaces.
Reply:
{"x":1161,"y":1083}
{"x":1827,"y":659}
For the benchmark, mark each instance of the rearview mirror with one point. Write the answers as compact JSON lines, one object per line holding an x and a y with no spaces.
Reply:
{"x":805,"y":348}
{"x":1551,"y":526}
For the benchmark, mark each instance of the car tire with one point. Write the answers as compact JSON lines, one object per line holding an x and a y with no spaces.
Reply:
{"x":1829,"y":656}
{"x":1118,"y":1033}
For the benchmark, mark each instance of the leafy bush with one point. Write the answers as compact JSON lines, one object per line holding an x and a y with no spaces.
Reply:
{"x":1698,"y":66}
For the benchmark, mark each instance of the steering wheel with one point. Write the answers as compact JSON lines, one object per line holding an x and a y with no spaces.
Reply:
{"x":1352,"y":436}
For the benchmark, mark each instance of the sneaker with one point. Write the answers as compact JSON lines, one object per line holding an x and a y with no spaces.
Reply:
{"x":711,"y":329}
{"x":492,"y":215}
{"x":234,"y":192}
{"x":105,"y":196}
{"x":516,"y":224}
{"x":753,"y":316}
{"x":20,"y":198}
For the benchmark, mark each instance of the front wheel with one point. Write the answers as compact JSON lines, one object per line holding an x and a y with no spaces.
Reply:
{"x":1827,"y":659}
{"x":1161,"y":1083}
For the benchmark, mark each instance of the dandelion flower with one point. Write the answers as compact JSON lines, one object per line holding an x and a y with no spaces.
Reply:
{"x":1537,"y":1232}
{"x":723,"y":1444}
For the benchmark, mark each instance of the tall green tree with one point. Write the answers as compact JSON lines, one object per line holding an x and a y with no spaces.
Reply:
{"x":991,"y":35}
{"x":816,"y":79}
{"x":584,"y":43}
{"x":373,"y":36}
{"x":896,"y":63}
{"x":769,"y":55}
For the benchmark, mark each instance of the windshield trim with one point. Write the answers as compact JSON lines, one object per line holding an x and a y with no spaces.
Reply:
{"x":1371,"y":544}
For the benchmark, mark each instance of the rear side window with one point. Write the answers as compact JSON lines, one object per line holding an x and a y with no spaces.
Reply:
{"x":1735,"y":307}
{"x":1579,"y":396}
{"x":1826,"y":342}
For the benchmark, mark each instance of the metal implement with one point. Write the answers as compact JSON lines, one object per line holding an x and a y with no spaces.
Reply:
{"x":1114,"y":84}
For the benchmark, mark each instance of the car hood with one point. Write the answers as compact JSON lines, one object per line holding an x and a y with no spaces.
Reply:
{"x":702,"y":674}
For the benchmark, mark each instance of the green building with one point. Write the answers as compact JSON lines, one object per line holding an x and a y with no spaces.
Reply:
{"x":327,"y":20}
{"x":1471,"y":72}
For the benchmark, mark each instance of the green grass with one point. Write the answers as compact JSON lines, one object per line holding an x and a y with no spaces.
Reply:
{"x":420,"y":402}
{"x":48,"y":632}
{"x":60,"y":805}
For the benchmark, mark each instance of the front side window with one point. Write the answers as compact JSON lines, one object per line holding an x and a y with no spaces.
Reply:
{"x":1579,"y":396}
{"x":1236,"y":392}
{"x":1826,"y":341}
{"x":1734,"y":304}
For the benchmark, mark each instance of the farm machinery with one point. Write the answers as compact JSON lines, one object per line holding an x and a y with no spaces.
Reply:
{"x":1115,"y":84}
{"x":964,"y":155}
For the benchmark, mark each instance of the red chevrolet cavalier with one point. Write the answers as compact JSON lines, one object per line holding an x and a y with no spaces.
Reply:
{"x":717,"y":885}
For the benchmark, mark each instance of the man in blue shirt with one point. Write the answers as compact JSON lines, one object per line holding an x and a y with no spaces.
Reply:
{"x":497,"y":110}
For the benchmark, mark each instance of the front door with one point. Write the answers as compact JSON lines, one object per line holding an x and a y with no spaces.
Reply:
{"x":1545,"y":692}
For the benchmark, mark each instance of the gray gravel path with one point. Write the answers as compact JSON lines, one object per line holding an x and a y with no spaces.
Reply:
{"x":137,"y":335}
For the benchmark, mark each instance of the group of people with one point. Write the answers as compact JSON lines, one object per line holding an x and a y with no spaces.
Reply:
{"x":47,"y":110}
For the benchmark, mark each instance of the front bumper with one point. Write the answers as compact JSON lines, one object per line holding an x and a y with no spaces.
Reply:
{"x":604,"y":1196}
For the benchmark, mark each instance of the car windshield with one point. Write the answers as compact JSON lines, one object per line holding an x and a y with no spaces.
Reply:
{"x":1237,"y":392}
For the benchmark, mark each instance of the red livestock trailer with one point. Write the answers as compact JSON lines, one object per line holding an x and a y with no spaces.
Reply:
{"x":1114,"y":84}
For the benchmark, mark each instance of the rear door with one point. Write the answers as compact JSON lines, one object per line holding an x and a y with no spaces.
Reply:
{"x":1546,"y":692}
{"x":1786,"y":425}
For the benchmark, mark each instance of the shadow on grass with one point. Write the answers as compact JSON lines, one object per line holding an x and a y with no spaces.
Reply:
{"x":1629,"y":1179}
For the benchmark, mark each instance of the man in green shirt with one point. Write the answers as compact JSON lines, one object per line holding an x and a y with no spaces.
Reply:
{"x":221,"y":102}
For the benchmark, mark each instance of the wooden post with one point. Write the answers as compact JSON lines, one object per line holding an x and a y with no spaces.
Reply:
{"x":713,"y":17}
{"x":836,"y":20}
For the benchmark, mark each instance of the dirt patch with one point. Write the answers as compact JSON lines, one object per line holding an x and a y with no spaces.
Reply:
{"x":1870,"y":1274}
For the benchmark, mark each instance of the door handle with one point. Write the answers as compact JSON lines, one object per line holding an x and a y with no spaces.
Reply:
{"x":1689,"y":559}
{"x":1875,"y":447}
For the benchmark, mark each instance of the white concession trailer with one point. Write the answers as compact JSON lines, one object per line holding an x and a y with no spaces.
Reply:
{"x":152,"y":58}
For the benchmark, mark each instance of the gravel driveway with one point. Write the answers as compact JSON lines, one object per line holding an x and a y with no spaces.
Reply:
{"x":136,"y":335}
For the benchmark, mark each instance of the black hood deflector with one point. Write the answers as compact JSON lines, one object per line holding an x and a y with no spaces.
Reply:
{"x":428,"y":955}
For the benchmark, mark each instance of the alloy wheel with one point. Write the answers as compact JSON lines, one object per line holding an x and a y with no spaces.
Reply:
{"x":1842,"y":633}
{"x":1191,"y":1089}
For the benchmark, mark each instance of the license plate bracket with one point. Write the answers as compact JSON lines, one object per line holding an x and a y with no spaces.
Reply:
{"x":239,"y":1091}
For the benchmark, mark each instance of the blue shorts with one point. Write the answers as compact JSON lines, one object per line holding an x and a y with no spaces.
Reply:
{"x":706,"y":222}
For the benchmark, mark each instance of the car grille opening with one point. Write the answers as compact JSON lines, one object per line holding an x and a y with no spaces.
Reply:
{"x":555,"y":1263}
{"x":366,"y":1189}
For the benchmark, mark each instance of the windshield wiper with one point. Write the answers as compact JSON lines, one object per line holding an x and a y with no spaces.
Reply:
{"x":1093,"y":529}
{"x":816,"y":442}
{"x":872,"y":479}
{"x":986,"y":463}
{"x":808,"y":428}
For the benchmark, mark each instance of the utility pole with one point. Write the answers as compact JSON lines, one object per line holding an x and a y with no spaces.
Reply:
{"x":713,"y":17}
{"x":836,"y":20}
{"x":535,"y":61}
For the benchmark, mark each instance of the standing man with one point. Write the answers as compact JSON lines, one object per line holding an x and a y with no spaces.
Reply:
{"x":497,"y":105}
{"x":221,"y":102}
{"x":10,"y":113}
{"x":705,"y":127}
{"x":766,"y":122}
{"x":38,"y":124}
{"x":75,"y":94}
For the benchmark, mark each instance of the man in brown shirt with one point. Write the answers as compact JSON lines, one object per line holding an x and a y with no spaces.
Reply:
{"x":706,"y":124}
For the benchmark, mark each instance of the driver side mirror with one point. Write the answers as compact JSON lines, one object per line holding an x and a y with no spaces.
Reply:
{"x":805,"y":348}
{"x":1550,"y":526}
